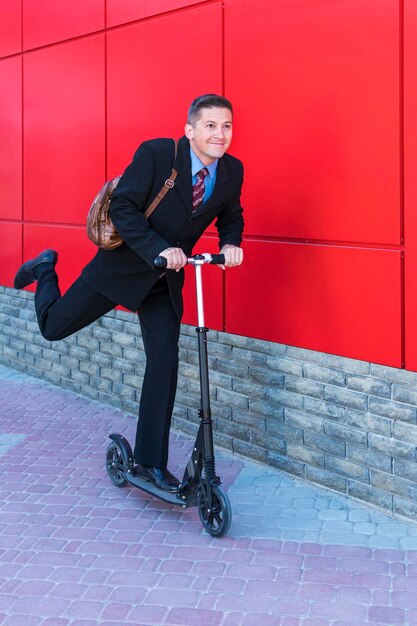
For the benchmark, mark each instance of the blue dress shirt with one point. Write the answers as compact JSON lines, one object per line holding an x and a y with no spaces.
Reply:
{"x":210,"y":180}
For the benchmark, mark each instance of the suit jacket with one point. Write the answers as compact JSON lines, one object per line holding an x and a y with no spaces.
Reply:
{"x":126,"y":274}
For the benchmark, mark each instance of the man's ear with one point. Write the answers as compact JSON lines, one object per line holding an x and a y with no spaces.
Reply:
{"x":189,"y":131}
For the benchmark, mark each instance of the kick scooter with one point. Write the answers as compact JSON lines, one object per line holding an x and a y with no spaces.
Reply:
{"x":200,"y":486}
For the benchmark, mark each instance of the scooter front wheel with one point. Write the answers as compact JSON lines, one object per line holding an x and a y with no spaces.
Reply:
{"x":115,"y":465}
{"x":214,"y":509}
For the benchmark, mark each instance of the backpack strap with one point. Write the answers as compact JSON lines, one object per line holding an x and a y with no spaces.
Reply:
{"x":168,"y":184}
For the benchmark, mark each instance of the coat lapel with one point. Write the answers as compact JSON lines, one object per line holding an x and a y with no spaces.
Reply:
{"x":183,"y":167}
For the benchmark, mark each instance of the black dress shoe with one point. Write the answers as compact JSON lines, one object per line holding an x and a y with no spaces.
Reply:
{"x":161,"y":478}
{"x":25,"y":275}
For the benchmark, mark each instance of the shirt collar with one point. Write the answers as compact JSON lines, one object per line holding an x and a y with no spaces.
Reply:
{"x":197,"y":165}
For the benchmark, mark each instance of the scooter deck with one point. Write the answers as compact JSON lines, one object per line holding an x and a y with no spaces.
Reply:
{"x":153,"y":490}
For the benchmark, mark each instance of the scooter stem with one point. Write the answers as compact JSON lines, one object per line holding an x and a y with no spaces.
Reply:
{"x":205,"y":411}
{"x":202,"y":347}
{"x":200,"y":302}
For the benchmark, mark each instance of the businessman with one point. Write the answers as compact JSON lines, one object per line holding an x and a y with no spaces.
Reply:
{"x":207,"y":189}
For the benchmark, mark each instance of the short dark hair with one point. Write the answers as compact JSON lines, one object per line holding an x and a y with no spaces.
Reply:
{"x":207,"y":101}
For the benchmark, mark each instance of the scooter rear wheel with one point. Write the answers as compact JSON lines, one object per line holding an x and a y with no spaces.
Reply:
{"x":115,"y":465}
{"x":214,"y":510}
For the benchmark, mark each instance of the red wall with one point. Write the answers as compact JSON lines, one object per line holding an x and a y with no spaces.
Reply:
{"x":325,"y":98}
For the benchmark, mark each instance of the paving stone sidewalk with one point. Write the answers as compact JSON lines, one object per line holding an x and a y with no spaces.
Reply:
{"x":76,"y":550}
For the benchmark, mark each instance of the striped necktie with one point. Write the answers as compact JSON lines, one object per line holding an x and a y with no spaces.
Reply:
{"x":199,"y":188}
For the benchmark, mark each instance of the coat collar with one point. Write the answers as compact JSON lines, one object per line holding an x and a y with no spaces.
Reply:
{"x":183,"y":166}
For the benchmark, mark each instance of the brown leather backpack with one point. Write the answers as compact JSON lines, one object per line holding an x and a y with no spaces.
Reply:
{"x":100,"y":229}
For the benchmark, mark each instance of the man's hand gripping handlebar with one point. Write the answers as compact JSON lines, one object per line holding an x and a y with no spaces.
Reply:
{"x":197,"y":259}
{"x":176,"y":258}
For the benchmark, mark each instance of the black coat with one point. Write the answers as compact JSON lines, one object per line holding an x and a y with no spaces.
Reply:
{"x":126,"y":274}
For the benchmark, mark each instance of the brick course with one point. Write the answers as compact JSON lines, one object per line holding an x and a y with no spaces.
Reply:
{"x":345,"y":424}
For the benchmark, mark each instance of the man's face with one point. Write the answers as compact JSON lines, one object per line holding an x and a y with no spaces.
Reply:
{"x":211,"y":134}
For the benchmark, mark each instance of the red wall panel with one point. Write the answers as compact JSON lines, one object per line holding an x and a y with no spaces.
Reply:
{"x":48,"y":21}
{"x":318,"y":123}
{"x":121,"y":11}
{"x":410,"y":181}
{"x":73,"y":247}
{"x":10,"y":252}
{"x":64,"y":130}
{"x":150,"y":81}
{"x":11,"y":138}
{"x":316,"y":88}
{"x":340,"y":300}
{"x":10,"y":27}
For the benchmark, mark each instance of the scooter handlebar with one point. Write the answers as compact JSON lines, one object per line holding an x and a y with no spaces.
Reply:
{"x":217,"y":259}
{"x":197,"y":259}
{"x":160,"y":261}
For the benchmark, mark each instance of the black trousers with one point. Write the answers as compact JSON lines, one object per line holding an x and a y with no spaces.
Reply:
{"x":61,"y":316}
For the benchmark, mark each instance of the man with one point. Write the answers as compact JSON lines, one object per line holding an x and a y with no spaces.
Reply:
{"x":207,"y":187}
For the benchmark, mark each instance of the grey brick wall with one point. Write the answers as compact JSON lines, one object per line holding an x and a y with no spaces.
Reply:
{"x":348,"y":425}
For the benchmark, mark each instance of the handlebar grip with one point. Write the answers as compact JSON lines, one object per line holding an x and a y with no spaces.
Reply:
{"x":217,"y":259}
{"x":160,"y":261}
